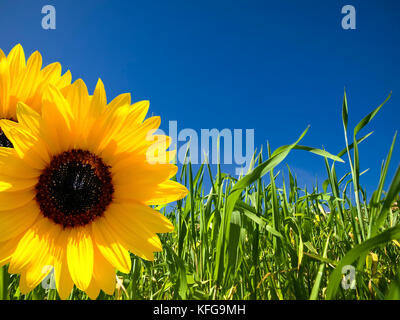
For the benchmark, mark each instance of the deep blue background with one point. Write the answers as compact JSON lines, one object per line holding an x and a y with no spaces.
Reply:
{"x":275,"y":66}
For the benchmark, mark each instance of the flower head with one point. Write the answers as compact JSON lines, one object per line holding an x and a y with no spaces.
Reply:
{"x":76,"y":188}
{"x":25,"y":81}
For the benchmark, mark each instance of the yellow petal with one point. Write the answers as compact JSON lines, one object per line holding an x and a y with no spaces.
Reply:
{"x":26,"y":144}
{"x":107,"y":127}
{"x":134,"y":236}
{"x":57,"y":121}
{"x":64,"y":283}
{"x":13,"y":200}
{"x":140,"y":110}
{"x":15,"y":222}
{"x":113,"y":251}
{"x":131,"y":212}
{"x":35,"y":245}
{"x":29,"y":82}
{"x":103,"y":273}
{"x":64,"y":81}
{"x":137,"y":172}
{"x":121,"y":100}
{"x":29,"y":118}
{"x":80,"y":257}
{"x":16,"y":59}
{"x":7,"y":248}
{"x":93,"y":290}
{"x":167,"y":192}
{"x":13,"y":166}
{"x":162,"y":193}
{"x":49,"y":74}
{"x":10,"y":184}
{"x":5,"y":84}
{"x":99,"y":100}
{"x":130,"y":140}
{"x":78,"y":99}
{"x":34,"y":274}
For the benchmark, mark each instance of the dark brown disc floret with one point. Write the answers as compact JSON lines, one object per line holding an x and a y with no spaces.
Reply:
{"x":75,"y":188}
{"x":4,"y":142}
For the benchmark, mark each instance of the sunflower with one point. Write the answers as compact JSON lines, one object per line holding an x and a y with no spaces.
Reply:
{"x":25,"y":81}
{"x":77,"y":188}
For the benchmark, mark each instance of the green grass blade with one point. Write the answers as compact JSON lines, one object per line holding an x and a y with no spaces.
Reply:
{"x":355,"y":253}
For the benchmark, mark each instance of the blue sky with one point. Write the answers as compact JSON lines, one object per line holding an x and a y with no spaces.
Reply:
{"x":271,"y":66}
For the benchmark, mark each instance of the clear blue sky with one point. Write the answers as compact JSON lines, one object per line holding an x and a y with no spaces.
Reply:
{"x":272,"y":66}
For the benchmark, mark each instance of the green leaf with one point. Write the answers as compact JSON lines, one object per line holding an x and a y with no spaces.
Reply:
{"x":345,"y":112}
{"x":393,"y":192}
{"x":316,"y":151}
{"x":370,"y":116}
{"x":355,"y":253}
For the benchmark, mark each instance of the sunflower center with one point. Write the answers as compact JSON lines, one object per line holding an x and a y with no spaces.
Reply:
{"x":75,"y":188}
{"x":4,"y":142}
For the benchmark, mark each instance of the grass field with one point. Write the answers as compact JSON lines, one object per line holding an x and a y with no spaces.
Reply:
{"x":248,"y":239}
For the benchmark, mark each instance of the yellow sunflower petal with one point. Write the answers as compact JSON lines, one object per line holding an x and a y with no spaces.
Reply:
{"x":10,"y":184}
{"x":139,"y":242}
{"x":78,"y":99}
{"x":121,"y":100}
{"x":93,"y":290}
{"x":13,"y":166}
{"x":167,"y":192}
{"x":131,"y":140}
{"x":104,"y":273}
{"x":7,"y":248}
{"x":64,"y":283}
{"x":5,"y":84}
{"x":137,"y":173}
{"x":28,"y":118}
{"x":115,"y":253}
{"x":13,"y":200}
{"x":26,"y":145}
{"x":34,"y":275}
{"x":51,"y":73}
{"x":15,"y":222}
{"x":99,"y":100}
{"x":162,"y":193}
{"x":80,"y":257}
{"x":2,"y":55}
{"x":16,"y":58}
{"x":139,"y":113}
{"x":152,"y":219}
{"x":57,"y":121}
{"x":107,"y":126}
{"x":29,"y":83}
{"x":35,"y":245}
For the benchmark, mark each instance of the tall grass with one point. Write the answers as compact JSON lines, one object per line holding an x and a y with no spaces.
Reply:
{"x":247,"y":238}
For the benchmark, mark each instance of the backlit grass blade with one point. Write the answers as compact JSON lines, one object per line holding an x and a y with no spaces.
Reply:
{"x":316,"y":151}
{"x":4,"y":282}
{"x":376,"y":197}
{"x":351,"y":146}
{"x":370,"y":116}
{"x":318,"y":280}
{"x":354,"y":254}
{"x":392,"y":194}
{"x":257,"y":173}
